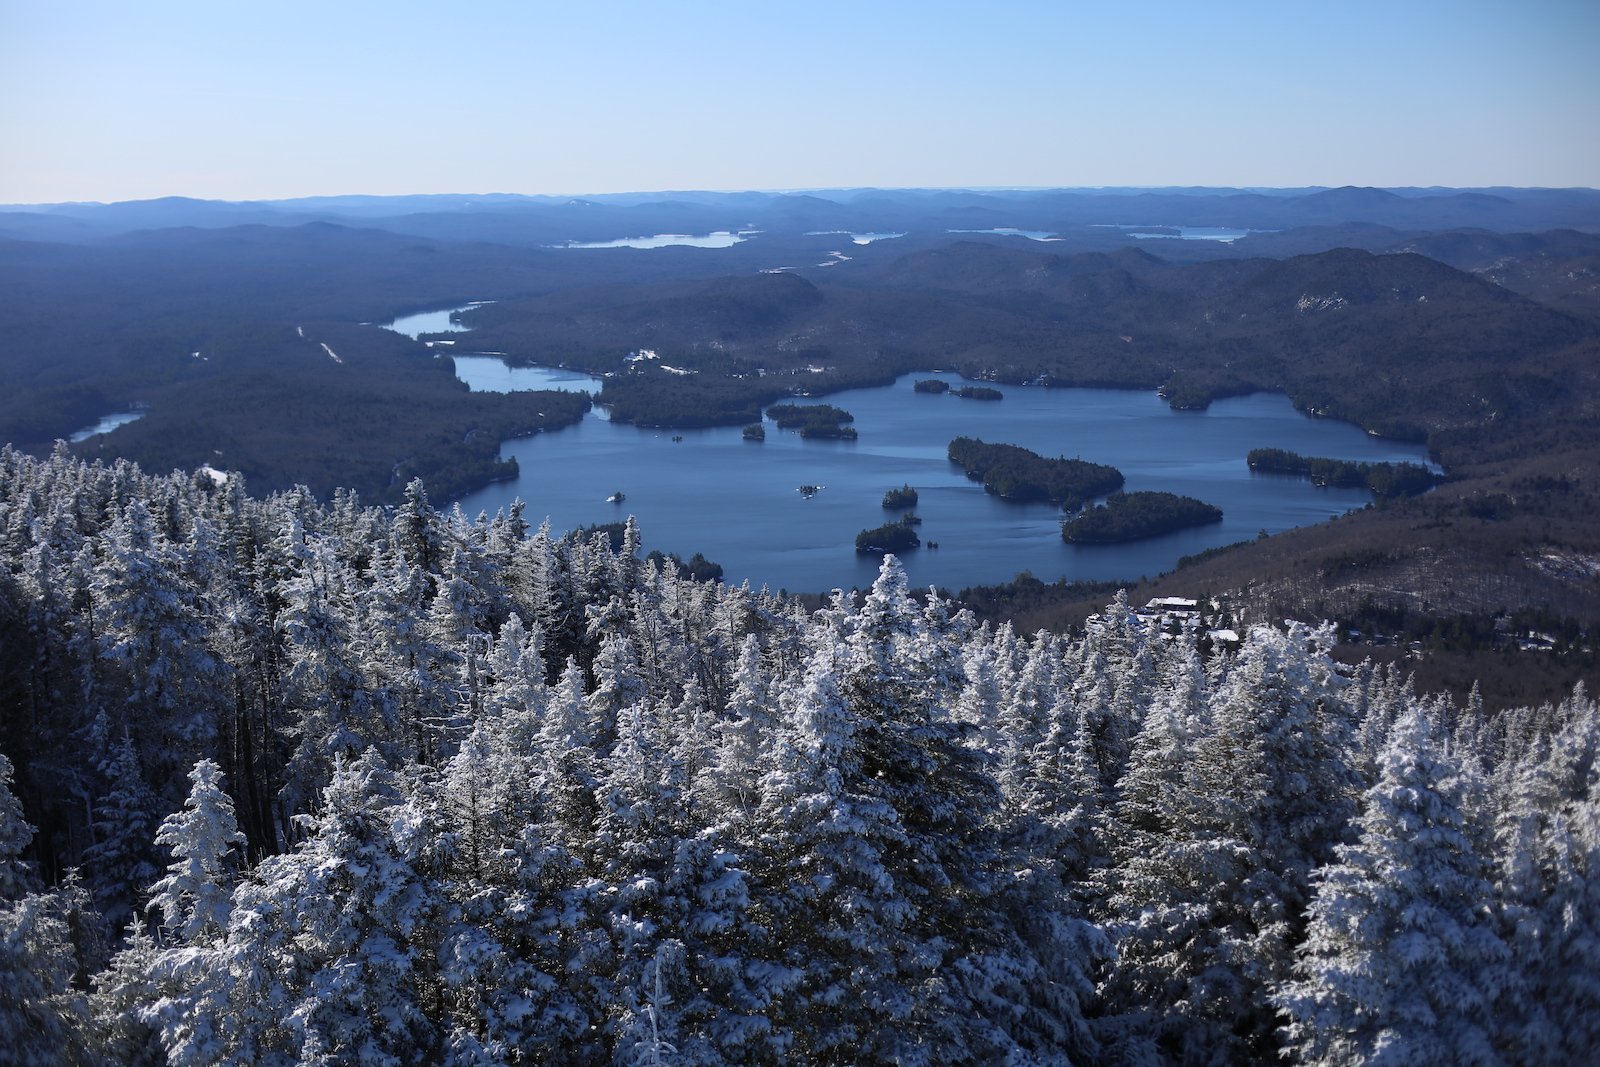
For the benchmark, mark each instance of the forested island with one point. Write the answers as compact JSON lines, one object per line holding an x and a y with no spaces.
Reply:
{"x":1383,"y":479}
{"x":820,"y":421}
{"x":903,"y":497}
{"x":934,"y":386}
{"x":979,"y":392}
{"x":1132,"y":516}
{"x":285,"y":779}
{"x":1015,"y":473}
{"x":897,"y":536}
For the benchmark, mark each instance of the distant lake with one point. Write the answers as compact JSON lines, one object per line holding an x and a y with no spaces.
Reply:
{"x":855,"y":238}
{"x":1007,"y":231}
{"x":737,"y":502}
{"x":1224,"y":234}
{"x":719,"y":239}
{"x":491,"y":374}
{"x":106,"y":425}
{"x":414,"y":326}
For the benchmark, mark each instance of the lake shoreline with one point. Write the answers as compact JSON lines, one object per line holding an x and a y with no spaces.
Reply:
{"x":692,"y":493}
{"x":1009,"y":547}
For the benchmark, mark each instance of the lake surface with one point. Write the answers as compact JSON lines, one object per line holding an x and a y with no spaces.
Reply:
{"x":414,"y":326}
{"x":491,"y":374}
{"x":719,"y":239}
{"x":1225,"y":234}
{"x":855,"y":238}
{"x":1143,"y":232}
{"x":738,"y":503}
{"x":1008,"y":231}
{"x":106,"y":425}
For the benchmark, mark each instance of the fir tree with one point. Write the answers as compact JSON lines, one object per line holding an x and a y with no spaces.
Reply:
{"x":41,"y":1012}
{"x":119,"y":865}
{"x":1402,"y":962}
{"x":194,"y":898}
{"x":16,"y":875}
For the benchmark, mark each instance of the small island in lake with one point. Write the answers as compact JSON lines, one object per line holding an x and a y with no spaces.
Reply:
{"x":1384,"y":479}
{"x":820,"y":421}
{"x":903,"y":497}
{"x":979,"y":392}
{"x":890,"y":537}
{"x":931,"y":385}
{"x":1011,"y":472}
{"x":1134,"y":516}
{"x":755,"y":432}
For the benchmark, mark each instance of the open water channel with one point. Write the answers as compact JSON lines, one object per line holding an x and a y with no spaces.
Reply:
{"x":738,"y":502}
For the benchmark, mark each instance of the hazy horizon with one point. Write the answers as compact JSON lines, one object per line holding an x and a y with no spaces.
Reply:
{"x":102,"y":103}
{"x":815,"y":191}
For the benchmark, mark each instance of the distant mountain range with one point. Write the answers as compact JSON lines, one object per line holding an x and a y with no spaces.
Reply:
{"x":516,"y":218}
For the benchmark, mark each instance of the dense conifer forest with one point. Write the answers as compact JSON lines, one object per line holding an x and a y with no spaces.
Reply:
{"x":290,"y":780}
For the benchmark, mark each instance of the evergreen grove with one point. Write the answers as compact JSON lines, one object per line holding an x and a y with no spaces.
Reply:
{"x":288,"y":781}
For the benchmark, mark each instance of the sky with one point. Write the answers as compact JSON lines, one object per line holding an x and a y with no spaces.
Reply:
{"x":114,"y":101}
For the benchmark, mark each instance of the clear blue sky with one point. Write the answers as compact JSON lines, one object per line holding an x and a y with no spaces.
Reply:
{"x":120,"y":100}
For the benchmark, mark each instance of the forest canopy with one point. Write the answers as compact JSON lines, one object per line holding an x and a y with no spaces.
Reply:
{"x":283,"y":776}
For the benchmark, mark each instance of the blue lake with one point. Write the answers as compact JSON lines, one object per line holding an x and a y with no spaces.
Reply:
{"x":1225,"y":234}
{"x":855,"y":238}
{"x":1010,"y":231}
{"x":414,"y":326}
{"x":491,"y":374}
{"x":106,"y":425}
{"x":719,"y":239}
{"x":738,"y":502}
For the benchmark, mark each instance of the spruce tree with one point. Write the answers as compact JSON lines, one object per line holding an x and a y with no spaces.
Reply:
{"x":1402,"y":962}
{"x":194,"y":898}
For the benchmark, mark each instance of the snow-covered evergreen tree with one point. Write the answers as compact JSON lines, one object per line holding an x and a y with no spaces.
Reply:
{"x":16,"y":875}
{"x":194,"y":898}
{"x":41,"y":1012}
{"x":121,"y":1031}
{"x":331,"y":950}
{"x":1549,"y":891}
{"x":1403,"y":962}
{"x":534,"y":799}
{"x":119,"y":865}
